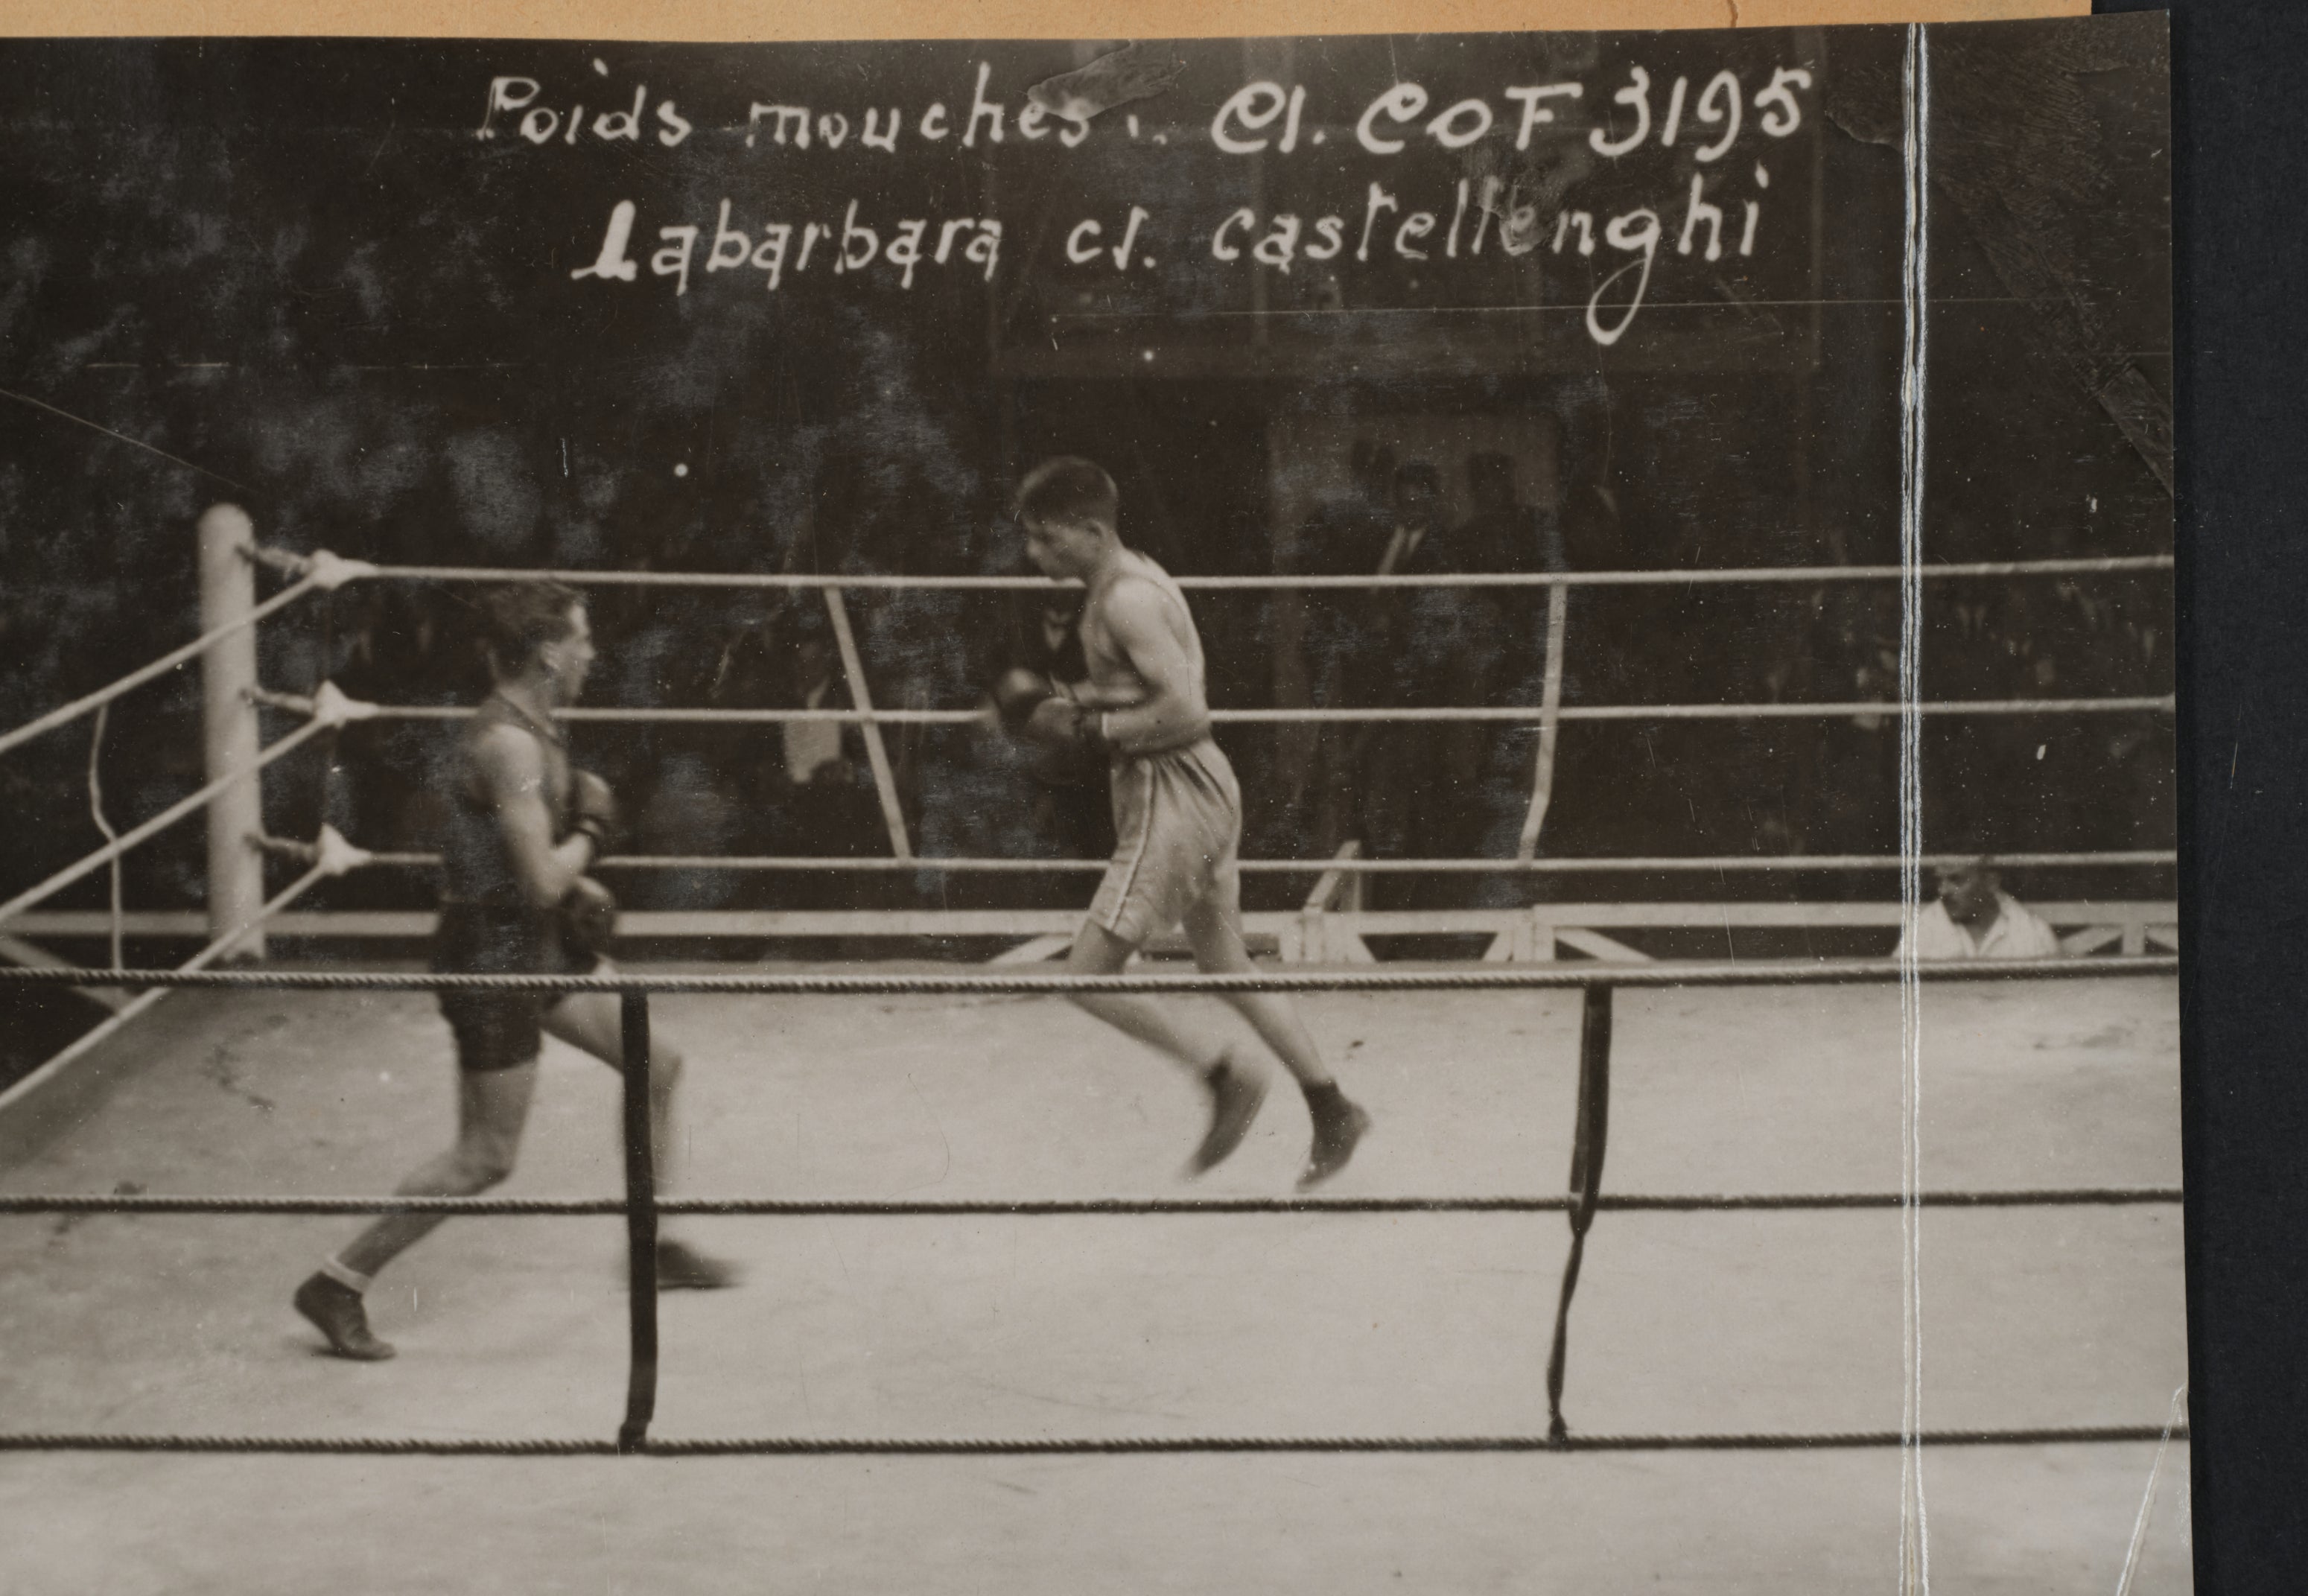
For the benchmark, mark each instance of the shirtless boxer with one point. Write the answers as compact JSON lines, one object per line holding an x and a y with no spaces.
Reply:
{"x":1177,"y":811}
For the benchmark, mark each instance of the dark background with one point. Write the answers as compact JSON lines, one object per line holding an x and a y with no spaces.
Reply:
{"x":294,"y":264}
{"x":2244,"y":726}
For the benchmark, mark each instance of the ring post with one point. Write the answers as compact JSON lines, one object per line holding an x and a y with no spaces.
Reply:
{"x":229,"y":730}
{"x":1587,"y":1136}
{"x":640,"y":1225}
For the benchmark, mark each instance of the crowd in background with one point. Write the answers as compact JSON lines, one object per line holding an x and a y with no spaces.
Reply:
{"x":1403,"y":789}
{"x":2034,"y":781}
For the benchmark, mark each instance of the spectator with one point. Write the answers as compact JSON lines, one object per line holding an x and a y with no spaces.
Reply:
{"x":815,"y":754}
{"x":1975,"y":919}
{"x":1417,"y":493}
{"x":1499,"y":658}
{"x":1593,"y":540}
{"x":1377,"y":669}
{"x":690,"y":808}
{"x":1502,"y":533}
{"x":1854,"y":793}
{"x":1970,"y":762}
{"x":1345,"y":536}
{"x":1419,"y":644}
{"x":1617,"y":649}
{"x":1500,"y":645}
{"x":809,"y":785}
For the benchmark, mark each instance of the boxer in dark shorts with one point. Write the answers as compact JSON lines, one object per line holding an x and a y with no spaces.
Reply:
{"x":524,"y":827}
{"x":486,"y":926}
{"x":1177,"y":811}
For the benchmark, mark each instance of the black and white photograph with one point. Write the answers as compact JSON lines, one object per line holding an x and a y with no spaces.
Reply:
{"x":1355,"y":814}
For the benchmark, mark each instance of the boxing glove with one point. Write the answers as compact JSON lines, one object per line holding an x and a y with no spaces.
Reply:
{"x":1019,"y":694}
{"x":589,"y":918}
{"x":594,"y":809}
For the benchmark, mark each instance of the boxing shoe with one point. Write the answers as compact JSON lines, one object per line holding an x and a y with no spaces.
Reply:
{"x":1339,"y":1125}
{"x":682,"y":1268}
{"x":337,"y":1311}
{"x":1235,"y":1095}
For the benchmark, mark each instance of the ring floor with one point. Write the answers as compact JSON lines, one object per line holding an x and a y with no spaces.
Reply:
{"x":1320,"y":1324}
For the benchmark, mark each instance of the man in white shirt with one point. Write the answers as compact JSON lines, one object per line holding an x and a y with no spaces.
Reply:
{"x":1975,"y":919}
{"x":812,"y":746}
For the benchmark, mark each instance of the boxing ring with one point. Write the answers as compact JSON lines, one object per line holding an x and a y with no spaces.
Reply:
{"x":642,"y":1206}
{"x":1329,"y":927}
{"x":240,"y":912}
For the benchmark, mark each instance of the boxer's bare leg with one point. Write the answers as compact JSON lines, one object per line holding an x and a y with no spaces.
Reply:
{"x":594,"y":1023}
{"x":1214,"y":931}
{"x":1237,"y":1085}
{"x":492,"y":1110}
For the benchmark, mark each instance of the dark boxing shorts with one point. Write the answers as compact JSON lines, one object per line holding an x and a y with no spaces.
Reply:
{"x":499,"y":1030}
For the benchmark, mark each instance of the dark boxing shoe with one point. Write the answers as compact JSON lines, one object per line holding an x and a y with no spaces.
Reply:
{"x":682,"y":1268}
{"x":1337,"y":1130}
{"x":336,"y":1311}
{"x":1235,"y":1095}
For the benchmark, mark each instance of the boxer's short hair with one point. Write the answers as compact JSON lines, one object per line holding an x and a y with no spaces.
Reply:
{"x":520,"y":617}
{"x":1068,"y":488}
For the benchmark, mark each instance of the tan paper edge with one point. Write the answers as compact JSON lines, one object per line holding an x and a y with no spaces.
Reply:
{"x":749,"y":20}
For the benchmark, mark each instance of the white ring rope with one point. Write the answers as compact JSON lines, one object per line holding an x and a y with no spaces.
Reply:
{"x":105,"y":825}
{"x":66,"y":713}
{"x":329,"y":707}
{"x":143,"y":1002}
{"x":1531,"y":978}
{"x":158,"y":822}
{"x":2149,"y":857}
{"x":1508,"y":714}
{"x":863,"y":581}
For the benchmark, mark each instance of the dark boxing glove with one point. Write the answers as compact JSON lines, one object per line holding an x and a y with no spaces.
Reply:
{"x":589,"y":918}
{"x":1045,"y":712}
{"x":594,"y":807}
{"x":1019,"y":694}
{"x":1062,"y":722}
{"x":1089,"y":733}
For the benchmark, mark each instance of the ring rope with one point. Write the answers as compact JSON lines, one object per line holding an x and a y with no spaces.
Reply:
{"x":1825,"y":973}
{"x":305,"y":853}
{"x":284,"y":561}
{"x":158,"y":824}
{"x":220,"y":946}
{"x":1070,"y":1207}
{"x":1506,"y":714}
{"x":642,"y":1210}
{"x":1118,"y":1445}
{"x":330,"y":855}
{"x":145,"y":1001}
{"x":66,"y":713}
{"x":2144,"y":703}
{"x":111,"y":834}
